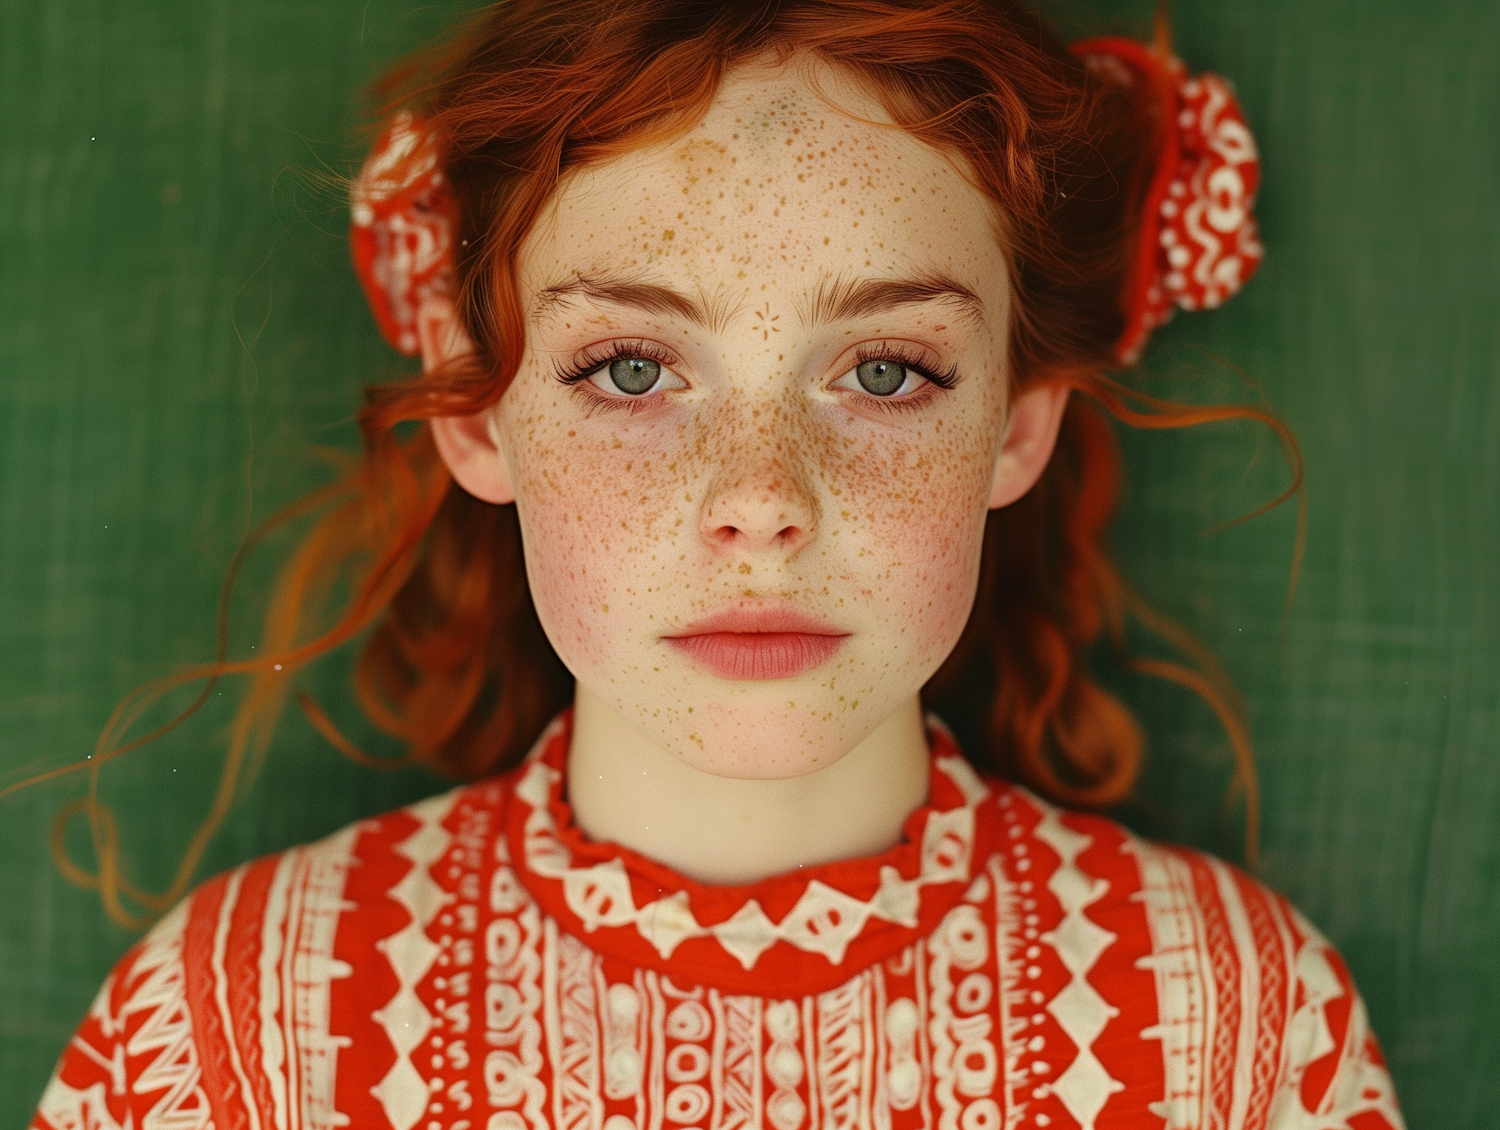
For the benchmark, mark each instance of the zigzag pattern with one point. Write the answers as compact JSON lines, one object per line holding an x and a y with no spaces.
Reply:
{"x":843,"y":1074}
{"x":1082,"y":1013}
{"x":824,"y":920}
{"x":402,"y":1092}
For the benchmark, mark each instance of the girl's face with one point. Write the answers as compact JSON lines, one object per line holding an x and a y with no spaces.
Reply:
{"x":757,"y":425}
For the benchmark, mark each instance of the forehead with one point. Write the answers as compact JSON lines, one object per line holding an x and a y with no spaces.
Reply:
{"x":795,"y":175}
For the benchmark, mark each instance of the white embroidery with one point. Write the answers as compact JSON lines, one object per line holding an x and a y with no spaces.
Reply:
{"x":512,"y":999}
{"x":737,"y":1078}
{"x":273,"y":1040}
{"x":965,"y":1065}
{"x":1217,"y":952}
{"x":403,"y":1092}
{"x":409,"y":243}
{"x":747,"y":934}
{"x":167,"y":1030}
{"x":68,"y":1109}
{"x":221,"y":993}
{"x":649,"y":986}
{"x":620,"y":1016}
{"x":1085,"y":1086}
{"x":784,"y":1066}
{"x":379,"y":179}
{"x":1010,"y":946}
{"x":687,"y":1063}
{"x":904,"y":1073}
{"x":1249,"y":988}
{"x":1184,"y":1000}
{"x":573,"y":1037}
{"x":308,"y":968}
{"x":845,"y":1047}
{"x":824,"y":920}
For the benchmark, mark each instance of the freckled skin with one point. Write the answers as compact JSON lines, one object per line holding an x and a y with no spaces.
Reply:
{"x":753,"y":475}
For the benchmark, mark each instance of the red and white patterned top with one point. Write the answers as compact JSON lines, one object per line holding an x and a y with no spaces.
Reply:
{"x":472,"y":962}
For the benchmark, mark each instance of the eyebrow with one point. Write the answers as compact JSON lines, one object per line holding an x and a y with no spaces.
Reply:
{"x":840,"y":299}
{"x":834,"y":300}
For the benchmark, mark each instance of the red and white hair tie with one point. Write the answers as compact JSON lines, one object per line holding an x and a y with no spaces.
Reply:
{"x":1198,"y":243}
{"x":402,"y":234}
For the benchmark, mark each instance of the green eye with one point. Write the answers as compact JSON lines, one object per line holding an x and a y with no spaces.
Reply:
{"x":880,"y":378}
{"x":634,"y":375}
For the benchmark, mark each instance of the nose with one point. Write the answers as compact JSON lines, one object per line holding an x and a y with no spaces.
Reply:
{"x":759,"y":503}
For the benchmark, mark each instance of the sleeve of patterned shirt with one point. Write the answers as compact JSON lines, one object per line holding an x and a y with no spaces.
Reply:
{"x":1334,"y":1074}
{"x":220,"y":1016}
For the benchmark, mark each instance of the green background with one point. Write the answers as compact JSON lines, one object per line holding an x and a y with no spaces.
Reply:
{"x":178,"y":326}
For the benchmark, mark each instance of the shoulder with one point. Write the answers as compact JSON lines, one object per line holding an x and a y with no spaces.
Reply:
{"x":1256,"y":1013}
{"x":365,"y":877}
{"x":333,"y":905}
{"x":242,"y":978}
{"x":1174,"y":903}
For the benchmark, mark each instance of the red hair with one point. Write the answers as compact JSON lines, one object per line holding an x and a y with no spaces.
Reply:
{"x":455,"y":664}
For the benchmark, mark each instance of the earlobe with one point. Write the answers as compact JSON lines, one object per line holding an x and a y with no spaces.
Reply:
{"x":1030,"y":435}
{"x":469,"y":445}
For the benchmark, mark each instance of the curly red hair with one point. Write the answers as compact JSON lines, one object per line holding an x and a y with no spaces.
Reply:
{"x":454,"y":662}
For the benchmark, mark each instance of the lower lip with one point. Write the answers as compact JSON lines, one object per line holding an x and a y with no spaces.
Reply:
{"x":758,"y":655}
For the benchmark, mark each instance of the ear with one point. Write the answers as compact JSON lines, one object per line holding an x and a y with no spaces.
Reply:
{"x":1030,"y":435}
{"x":469,"y":445}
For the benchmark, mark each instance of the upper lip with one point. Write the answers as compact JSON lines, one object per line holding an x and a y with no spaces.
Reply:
{"x":754,"y":619}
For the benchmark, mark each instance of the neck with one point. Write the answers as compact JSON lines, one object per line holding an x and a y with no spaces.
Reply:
{"x":625,"y":788}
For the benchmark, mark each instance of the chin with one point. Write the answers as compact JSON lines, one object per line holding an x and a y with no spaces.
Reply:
{"x":759,"y":737}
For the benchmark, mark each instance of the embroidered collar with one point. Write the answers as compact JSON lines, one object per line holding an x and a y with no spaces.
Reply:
{"x":802,"y":932}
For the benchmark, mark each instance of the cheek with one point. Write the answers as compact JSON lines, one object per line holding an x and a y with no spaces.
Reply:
{"x":596,"y":519}
{"x":917,"y":505}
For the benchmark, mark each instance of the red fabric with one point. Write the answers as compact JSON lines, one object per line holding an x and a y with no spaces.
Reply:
{"x":401,"y":237}
{"x":474,"y":962}
{"x":1198,"y":242}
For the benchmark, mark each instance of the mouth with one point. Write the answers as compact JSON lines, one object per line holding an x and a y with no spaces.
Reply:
{"x":759,"y":642}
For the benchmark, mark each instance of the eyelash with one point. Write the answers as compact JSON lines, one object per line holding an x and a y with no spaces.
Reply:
{"x":909,"y":358}
{"x":596,"y":358}
{"x":577,"y":374}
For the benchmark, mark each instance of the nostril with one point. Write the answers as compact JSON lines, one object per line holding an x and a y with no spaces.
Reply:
{"x":725,"y":536}
{"x":789,"y":537}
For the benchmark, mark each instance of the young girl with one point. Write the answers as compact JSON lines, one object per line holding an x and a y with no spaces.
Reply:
{"x":760,"y":344}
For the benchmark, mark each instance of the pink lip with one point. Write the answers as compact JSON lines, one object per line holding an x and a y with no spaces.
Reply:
{"x":759,"y":642}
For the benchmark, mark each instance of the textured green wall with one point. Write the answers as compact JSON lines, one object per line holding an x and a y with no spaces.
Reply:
{"x":177,"y":324}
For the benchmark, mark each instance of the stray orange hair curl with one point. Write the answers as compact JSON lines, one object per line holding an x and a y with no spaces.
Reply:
{"x":454,"y":662}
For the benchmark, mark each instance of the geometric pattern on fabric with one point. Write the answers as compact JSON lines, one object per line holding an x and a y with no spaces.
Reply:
{"x":401,"y":235}
{"x":220,"y":1016}
{"x":1198,"y":241}
{"x":412,"y":972}
{"x":600,"y":897}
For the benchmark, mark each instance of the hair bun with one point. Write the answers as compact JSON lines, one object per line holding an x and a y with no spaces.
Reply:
{"x":402,"y":233}
{"x":1198,"y":242}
